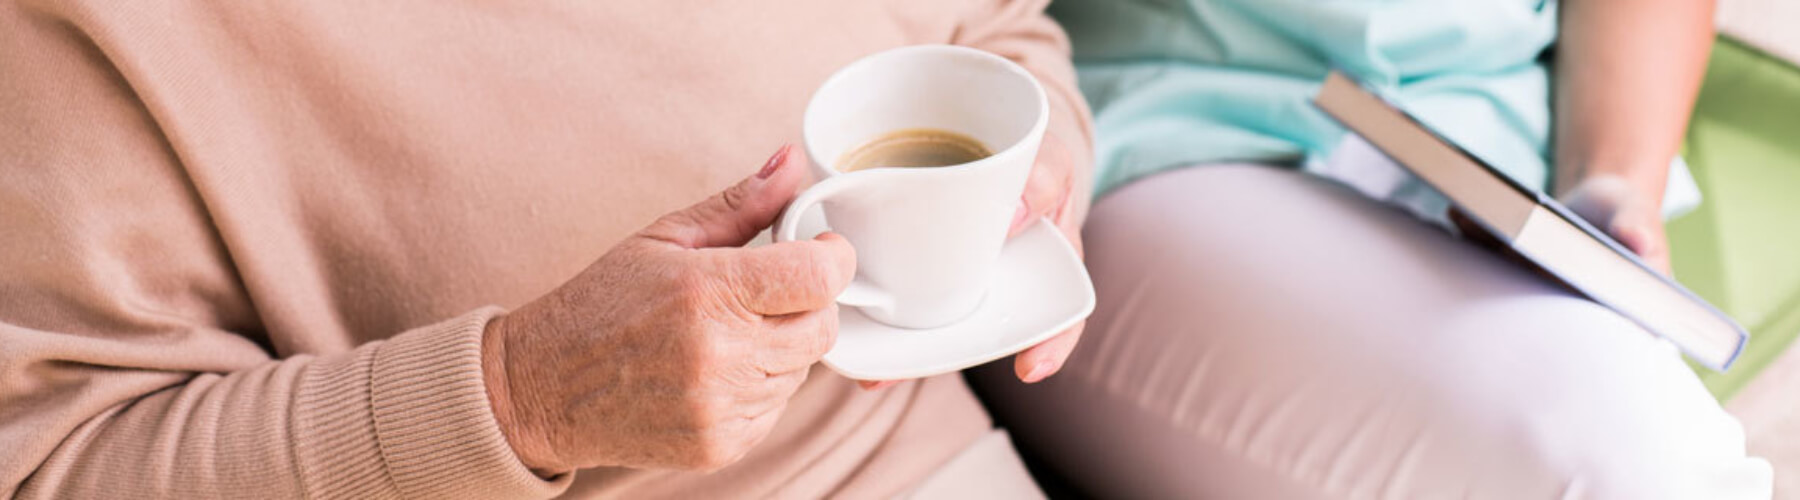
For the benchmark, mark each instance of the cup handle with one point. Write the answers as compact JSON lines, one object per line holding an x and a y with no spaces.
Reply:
{"x":859,"y":293}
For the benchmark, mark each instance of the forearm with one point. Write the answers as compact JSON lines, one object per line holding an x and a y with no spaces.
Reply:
{"x":407,"y":417}
{"x":1627,"y":73}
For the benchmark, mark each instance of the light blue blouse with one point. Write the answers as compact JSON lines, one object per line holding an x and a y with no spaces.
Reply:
{"x":1184,"y":82}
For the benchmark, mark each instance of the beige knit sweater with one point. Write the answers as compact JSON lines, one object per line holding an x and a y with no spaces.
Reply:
{"x":247,"y":248}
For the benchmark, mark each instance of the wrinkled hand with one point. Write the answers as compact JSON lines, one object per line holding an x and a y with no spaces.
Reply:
{"x":1629,"y":212}
{"x":676,"y":349}
{"x":1048,"y":193}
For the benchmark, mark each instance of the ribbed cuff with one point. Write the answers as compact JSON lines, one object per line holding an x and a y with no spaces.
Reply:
{"x":409,"y":418}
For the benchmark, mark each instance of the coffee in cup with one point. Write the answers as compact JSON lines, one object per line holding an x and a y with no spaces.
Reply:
{"x":914,"y":148}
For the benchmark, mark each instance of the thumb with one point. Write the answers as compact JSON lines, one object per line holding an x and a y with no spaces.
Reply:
{"x":734,"y":216}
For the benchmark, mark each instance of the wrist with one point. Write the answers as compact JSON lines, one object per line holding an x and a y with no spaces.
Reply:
{"x":1642,"y":176}
{"x":525,"y":439}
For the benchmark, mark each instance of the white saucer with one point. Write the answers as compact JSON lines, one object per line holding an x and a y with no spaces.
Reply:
{"x":1039,"y":289}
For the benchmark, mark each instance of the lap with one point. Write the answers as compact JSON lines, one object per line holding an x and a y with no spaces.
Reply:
{"x":1261,"y":333}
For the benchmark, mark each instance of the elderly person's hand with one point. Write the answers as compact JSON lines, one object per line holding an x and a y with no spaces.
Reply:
{"x":1048,"y":193}
{"x":676,"y":348}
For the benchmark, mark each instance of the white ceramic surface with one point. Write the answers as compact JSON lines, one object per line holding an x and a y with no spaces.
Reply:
{"x":1040,"y":288}
{"x":926,"y":238}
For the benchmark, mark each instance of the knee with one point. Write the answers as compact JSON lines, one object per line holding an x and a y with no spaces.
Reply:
{"x":1589,"y":406}
{"x":1619,"y":447}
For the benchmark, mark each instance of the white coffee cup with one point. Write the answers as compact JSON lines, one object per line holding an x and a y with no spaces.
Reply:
{"x":926,"y":238}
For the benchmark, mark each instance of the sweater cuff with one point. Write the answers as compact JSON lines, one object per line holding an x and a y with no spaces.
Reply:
{"x":409,"y":417}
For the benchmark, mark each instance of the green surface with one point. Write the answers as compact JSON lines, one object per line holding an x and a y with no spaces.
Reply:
{"x":1741,"y":248}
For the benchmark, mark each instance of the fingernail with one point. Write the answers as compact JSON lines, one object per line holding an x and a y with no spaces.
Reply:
{"x":1040,"y":371}
{"x":1020,"y":214}
{"x":774,"y":162}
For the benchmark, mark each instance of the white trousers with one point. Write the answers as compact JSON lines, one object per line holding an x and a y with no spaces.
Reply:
{"x":1264,"y":334}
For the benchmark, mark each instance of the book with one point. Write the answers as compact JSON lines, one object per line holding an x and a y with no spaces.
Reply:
{"x":1537,"y":228}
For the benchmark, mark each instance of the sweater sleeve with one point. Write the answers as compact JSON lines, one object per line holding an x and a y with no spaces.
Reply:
{"x":1019,"y":30}
{"x":403,"y":418}
{"x":132,"y":360}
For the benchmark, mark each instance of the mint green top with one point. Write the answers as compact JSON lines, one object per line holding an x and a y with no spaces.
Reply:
{"x":1183,"y":82}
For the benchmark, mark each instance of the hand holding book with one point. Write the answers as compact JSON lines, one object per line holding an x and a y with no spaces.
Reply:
{"x":1542,"y":233}
{"x":1630,"y":214}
